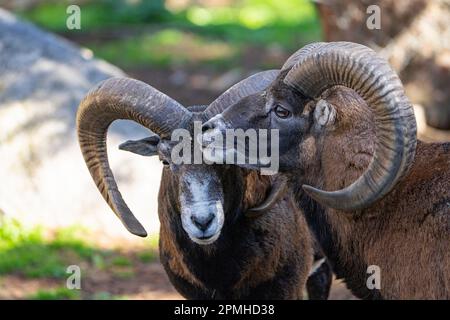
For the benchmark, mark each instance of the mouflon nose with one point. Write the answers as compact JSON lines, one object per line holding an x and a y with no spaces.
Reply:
{"x":202,"y":222}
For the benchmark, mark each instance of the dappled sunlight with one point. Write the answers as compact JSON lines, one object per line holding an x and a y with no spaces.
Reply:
{"x":252,"y":14}
{"x":183,"y":32}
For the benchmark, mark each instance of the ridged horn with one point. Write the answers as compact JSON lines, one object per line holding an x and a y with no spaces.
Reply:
{"x":251,"y":85}
{"x":361,"y":69}
{"x":299,"y":54}
{"x":129,"y":99}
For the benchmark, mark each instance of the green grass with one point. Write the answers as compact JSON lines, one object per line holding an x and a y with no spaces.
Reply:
{"x":99,"y":14}
{"x":147,"y":256}
{"x":149,"y":34}
{"x":56,"y":294}
{"x":258,"y":22}
{"x":98,"y":261}
{"x":150,"y":253}
{"x":164,"y":48}
{"x":103,"y":295}
{"x":121,"y":261}
{"x":66,"y":294}
{"x":28,"y":252}
{"x":33,"y":253}
{"x":124,"y":274}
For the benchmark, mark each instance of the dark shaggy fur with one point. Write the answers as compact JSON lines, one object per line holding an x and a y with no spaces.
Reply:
{"x":266,"y":258}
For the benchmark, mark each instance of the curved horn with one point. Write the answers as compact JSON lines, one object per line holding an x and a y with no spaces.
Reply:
{"x":299,"y":54}
{"x":279,"y":188}
{"x":253,"y":84}
{"x":122,"y":98}
{"x":361,"y":69}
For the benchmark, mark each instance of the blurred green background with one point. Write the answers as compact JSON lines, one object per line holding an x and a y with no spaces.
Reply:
{"x":217,"y":34}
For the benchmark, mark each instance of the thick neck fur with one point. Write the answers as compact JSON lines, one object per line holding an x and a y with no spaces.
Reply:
{"x":343,"y":151}
{"x":405,"y":234}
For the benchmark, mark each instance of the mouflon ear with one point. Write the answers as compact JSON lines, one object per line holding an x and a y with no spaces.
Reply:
{"x":324,"y":114}
{"x":144,"y":147}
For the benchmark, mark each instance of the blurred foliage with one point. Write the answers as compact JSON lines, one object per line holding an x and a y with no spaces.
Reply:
{"x":22,"y":250}
{"x":56,"y":294}
{"x":155,"y":34}
{"x":30,"y":253}
{"x":98,"y":14}
{"x":165,"y":47}
{"x":124,"y":274}
{"x":147,"y":256}
{"x":104,"y":295}
{"x":121,"y":261}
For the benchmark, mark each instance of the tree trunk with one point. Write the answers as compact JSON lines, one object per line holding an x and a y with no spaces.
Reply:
{"x":414,"y":36}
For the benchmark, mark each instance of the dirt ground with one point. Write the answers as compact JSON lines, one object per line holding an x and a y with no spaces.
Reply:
{"x":149,"y":282}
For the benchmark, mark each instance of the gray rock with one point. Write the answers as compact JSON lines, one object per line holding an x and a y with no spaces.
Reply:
{"x":43,"y":177}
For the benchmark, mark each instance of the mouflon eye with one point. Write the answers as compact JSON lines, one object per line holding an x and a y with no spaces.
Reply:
{"x":281,"y":112}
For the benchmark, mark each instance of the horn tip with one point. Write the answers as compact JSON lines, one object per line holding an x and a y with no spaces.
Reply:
{"x":330,"y":200}
{"x":123,"y":145}
{"x":320,"y":196}
{"x":134,"y":227}
{"x":140,"y":232}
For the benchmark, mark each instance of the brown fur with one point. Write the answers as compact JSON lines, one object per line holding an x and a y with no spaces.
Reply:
{"x":295,"y":226}
{"x":407,"y":233}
